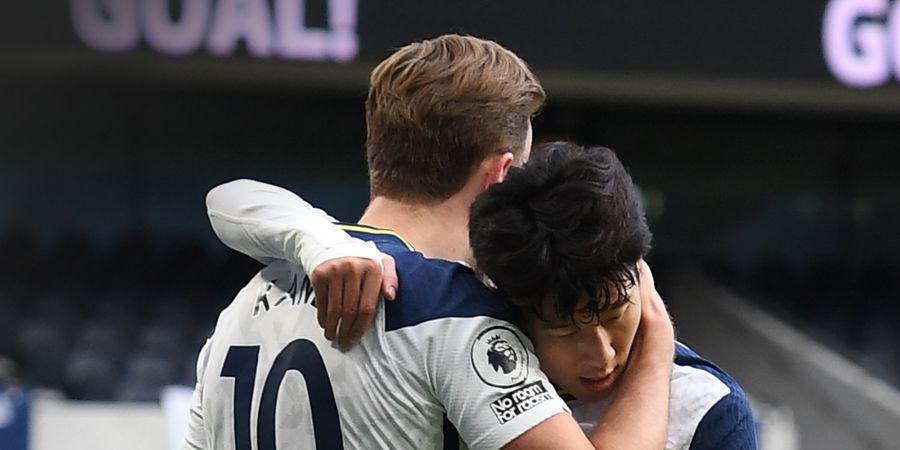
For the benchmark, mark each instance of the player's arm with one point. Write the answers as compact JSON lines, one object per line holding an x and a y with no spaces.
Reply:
{"x":269,"y":223}
{"x":559,"y":431}
{"x":491,"y":410}
{"x":638,"y":415}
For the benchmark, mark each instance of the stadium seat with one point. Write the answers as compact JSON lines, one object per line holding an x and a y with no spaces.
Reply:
{"x":104,"y":337}
{"x":9,"y":322}
{"x":91,"y":375}
{"x":162,"y":339}
{"x":43,"y":346}
{"x":145,"y":375}
{"x":129,"y":391}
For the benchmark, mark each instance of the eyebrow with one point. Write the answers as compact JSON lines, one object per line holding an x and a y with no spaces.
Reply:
{"x":617,"y":306}
{"x":556,"y":325}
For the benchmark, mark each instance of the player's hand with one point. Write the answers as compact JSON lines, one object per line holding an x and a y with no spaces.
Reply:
{"x":347,"y":295}
{"x":656,"y":335}
{"x":641,"y":401}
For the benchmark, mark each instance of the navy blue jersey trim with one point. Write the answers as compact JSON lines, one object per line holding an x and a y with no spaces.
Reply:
{"x":729,"y":424}
{"x":375,"y":234}
{"x":432,"y":289}
{"x":684,"y":356}
{"x":451,"y":436}
{"x":436,"y":289}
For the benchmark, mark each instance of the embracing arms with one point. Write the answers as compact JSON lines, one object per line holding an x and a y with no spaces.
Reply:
{"x":267,"y":223}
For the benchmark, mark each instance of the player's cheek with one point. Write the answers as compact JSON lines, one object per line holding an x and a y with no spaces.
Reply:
{"x":554,"y":356}
{"x":625,"y":334}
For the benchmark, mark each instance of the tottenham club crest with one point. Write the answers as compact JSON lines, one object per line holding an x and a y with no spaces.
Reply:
{"x":499,"y":357}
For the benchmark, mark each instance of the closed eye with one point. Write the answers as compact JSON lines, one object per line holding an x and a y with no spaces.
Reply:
{"x":609,"y":320}
{"x":615,"y":314}
{"x":562,"y":331}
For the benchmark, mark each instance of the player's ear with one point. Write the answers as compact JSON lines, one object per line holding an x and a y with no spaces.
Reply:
{"x":498,"y":166}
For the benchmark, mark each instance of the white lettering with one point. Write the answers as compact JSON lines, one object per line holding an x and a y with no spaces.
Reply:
{"x":894,"y":37}
{"x":506,"y":416}
{"x":504,"y":403}
{"x":342,"y":20}
{"x":295,"y":40}
{"x":855,"y":42}
{"x":519,"y":401}
{"x":175,"y":37}
{"x":234,"y":20}
{"x":529,"y":403}
{"x":106,"y":25}
{"x":119,"y":25}
{"x":526,"y":392}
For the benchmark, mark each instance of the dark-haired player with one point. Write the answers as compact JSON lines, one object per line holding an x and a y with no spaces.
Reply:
{"x":562,"y":238}
{"x":446,"y":119}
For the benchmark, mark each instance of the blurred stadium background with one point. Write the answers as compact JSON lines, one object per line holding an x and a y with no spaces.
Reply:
{"x":764,"y":136}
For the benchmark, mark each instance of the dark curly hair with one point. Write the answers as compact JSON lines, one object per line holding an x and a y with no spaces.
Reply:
{"x":568,"y":225}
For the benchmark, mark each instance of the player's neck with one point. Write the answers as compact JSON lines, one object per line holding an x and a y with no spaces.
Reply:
{"x":438,"y":231}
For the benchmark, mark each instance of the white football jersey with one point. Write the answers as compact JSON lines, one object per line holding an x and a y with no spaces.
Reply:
{"x":708,"y":410}
{"x":444,"y":352}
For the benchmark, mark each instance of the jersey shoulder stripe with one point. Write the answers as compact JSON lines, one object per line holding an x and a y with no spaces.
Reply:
{"x":726,"y":419}
{"x":686,"y":357}
{"x":431,"y":289}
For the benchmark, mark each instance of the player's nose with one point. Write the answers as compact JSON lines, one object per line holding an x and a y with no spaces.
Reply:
{"x":597,"y":348}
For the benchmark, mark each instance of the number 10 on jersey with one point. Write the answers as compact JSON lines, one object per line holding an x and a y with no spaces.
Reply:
{"x":300,"y":355}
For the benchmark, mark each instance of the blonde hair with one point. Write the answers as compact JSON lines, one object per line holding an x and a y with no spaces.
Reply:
{"x":438,"y":108}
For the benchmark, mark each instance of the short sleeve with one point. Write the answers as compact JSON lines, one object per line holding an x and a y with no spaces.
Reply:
{"x":486,"y":375}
